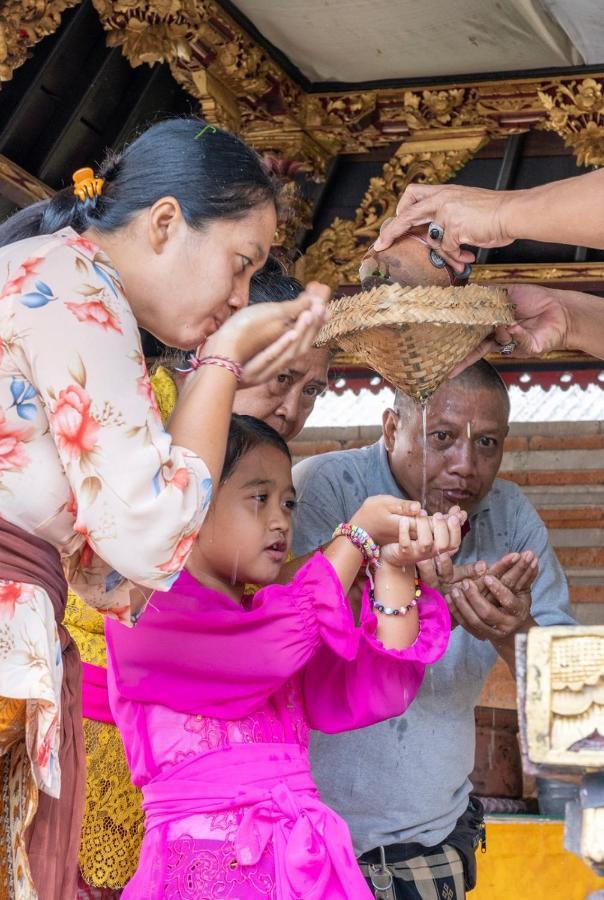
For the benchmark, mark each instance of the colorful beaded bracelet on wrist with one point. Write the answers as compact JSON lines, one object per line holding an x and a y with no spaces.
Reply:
{"x":224,"y":362}
{"x":361,"y":540}
{"x":396,"y":611}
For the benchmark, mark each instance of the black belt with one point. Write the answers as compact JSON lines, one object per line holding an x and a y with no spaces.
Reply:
{"x":396,"y":853}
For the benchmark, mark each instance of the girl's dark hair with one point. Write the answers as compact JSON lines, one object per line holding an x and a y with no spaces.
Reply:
{"x":211,"y":173}
{"x":272,"y":283}
{"x":245,"y":433}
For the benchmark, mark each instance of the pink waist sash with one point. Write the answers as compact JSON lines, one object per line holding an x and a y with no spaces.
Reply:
{"x":271,"y":785}
{"x":95,"y":698}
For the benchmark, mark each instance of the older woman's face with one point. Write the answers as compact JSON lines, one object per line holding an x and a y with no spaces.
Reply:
{"x":287,"y":400}
{"x":192,"y":276}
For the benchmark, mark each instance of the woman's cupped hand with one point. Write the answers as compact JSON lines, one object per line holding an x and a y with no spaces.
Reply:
{"x":266,"y":337}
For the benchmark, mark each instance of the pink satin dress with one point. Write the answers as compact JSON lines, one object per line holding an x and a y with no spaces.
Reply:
{"x":215,"y":703}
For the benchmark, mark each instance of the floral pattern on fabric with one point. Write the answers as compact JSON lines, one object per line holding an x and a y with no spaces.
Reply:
{"x":197,"y":869}
{"x":19,"y":799}
{"x":31,"y":668}
{"x":77,"y":415}
{"x":85,"y":464}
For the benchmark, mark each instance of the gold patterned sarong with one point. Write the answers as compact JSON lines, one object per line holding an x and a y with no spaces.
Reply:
{"x":19,"y":794}
{"x":113,"y":826}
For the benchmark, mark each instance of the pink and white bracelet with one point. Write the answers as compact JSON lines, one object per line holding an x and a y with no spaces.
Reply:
{"x":223,"y":362}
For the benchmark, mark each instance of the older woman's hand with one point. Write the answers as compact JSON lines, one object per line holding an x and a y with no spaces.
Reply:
{"x":266,"y":337}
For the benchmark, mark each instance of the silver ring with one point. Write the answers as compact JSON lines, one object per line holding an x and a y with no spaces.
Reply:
{"x":436,"y":232}
{"x":507,"y":349}
{"x":437,"y":260}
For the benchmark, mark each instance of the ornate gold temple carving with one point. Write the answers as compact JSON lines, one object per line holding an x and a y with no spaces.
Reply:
{"x":576,"y":112}
{"x":572,"y":111}
{"x":249,"y":91}
{"x":562,"y":273}
{"x":22,"y":24}
{"x":238,"y":84}
{"x":561,"y":709}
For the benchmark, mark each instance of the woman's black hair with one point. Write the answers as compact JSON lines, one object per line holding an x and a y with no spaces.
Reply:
{"x":211,"y":173}
{"x":245,"y":433}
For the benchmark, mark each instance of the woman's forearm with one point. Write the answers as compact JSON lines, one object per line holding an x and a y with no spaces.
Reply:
{"x":561,"y":212}
{"x":200,"y":421}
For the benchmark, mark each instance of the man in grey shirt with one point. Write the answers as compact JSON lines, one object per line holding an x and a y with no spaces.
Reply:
{"x":404,"y":783}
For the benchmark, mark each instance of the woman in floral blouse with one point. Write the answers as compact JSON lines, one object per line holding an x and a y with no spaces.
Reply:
{"x":90,"y":482}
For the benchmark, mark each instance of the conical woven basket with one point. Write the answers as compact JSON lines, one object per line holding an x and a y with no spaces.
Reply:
{"x":415,"y":336}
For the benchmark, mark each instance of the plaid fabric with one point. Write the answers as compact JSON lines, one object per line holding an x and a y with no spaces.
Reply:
{"x":437,"y":875}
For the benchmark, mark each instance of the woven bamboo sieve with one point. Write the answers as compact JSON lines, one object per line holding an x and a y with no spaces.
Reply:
{"x":414,"y":336}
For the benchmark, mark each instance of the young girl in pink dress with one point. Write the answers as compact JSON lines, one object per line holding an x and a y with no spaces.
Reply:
{"x":215,"y":692}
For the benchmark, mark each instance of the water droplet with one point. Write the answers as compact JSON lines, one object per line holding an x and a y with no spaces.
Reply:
{"x":424,"y":406}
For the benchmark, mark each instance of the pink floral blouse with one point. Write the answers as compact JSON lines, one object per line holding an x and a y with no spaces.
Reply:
{"x":84,"y":460}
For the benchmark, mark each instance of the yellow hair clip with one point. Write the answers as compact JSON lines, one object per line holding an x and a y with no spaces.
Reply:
{"x":85,"y":185}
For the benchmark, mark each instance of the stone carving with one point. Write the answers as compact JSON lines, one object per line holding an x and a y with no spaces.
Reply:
{"x":561,"y":706}
{"x":565,"y":697}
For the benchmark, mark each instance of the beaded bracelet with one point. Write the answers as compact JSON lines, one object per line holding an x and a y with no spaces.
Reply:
{"x":361,"y":540}
{"x":215,"y":360}
{"x":396,"y":611}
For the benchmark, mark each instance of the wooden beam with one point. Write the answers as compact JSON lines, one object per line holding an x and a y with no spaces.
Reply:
{"x":19,"y":186}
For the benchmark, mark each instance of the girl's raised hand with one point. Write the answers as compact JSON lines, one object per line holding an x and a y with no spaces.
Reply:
{"x":424,"y":537}
{"x":380,"y":516}
{"x":266,"y":337}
